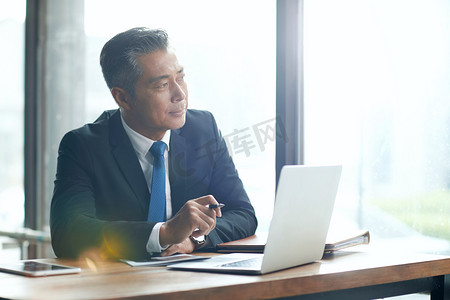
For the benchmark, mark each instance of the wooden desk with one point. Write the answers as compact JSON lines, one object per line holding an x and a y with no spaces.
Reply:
{"x":362,"y":274}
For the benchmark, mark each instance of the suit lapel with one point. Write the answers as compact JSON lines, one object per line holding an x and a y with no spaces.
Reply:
{"x":127,"y":161}
{"x":177,"y":169}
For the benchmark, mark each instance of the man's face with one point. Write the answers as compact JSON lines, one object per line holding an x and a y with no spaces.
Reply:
{"x":161,"y":96}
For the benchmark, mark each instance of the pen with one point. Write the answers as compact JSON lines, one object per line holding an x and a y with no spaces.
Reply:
{"x":216,"y":205}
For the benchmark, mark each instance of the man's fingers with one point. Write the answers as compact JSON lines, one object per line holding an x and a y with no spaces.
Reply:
{"x":218,"y":212}
{"x":203,"y":226}
{"x":170,"y":251}
{"x":198,"y":233}
{"x":206,"y":200}
{"x":184,"y":247}
{"x":194,"y":215}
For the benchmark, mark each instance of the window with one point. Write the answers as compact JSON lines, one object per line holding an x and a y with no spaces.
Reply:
{"x":12,"y":18}
{"x":377,"y":101}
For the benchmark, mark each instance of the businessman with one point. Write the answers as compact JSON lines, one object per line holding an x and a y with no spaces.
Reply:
{"x":146,"y":179}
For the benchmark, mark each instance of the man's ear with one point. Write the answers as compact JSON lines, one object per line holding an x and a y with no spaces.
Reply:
{"x":122,"y":97}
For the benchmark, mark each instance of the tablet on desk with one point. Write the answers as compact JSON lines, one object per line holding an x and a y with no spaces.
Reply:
{"x":34,"y":268}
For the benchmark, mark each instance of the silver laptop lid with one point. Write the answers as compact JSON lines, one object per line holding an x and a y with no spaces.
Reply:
{"x":303,"y":207}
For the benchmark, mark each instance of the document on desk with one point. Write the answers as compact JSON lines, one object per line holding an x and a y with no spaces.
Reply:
{"x":339,"y":241}
{"x":257,"y":242}
{"x":158,"y":261}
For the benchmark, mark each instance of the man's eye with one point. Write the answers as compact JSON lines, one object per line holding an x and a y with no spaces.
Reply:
{"x":163,"y":85}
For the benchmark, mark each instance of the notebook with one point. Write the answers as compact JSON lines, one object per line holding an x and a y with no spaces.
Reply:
{"x":303,"y":207}
{"x":335,"y":241}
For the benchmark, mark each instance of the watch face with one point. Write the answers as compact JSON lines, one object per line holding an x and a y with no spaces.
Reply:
{"x":199,"y":241}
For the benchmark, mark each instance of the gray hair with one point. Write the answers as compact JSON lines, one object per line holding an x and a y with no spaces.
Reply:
{"x":119,"y":56}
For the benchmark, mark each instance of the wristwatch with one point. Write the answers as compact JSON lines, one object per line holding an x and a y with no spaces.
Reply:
{"x":198,"y":242}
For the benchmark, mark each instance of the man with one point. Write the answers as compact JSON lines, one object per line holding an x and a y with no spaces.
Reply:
{"x":104,"y":195}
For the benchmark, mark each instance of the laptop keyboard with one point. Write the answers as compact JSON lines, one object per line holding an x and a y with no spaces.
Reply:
{"x":246,"y":263}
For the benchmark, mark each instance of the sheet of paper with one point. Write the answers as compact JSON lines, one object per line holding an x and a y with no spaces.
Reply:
{"x":163,"y":260}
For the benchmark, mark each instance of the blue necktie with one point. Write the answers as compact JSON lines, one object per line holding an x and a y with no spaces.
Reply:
{"x":157,"y":209}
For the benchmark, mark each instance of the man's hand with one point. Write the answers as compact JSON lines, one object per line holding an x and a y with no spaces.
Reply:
{"x":194,"y":218}
{"x":185,"y":246}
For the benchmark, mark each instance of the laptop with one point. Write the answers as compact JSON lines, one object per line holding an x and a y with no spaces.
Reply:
{"x":303,"y":207}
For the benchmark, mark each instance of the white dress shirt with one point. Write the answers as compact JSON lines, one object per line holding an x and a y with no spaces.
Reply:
{"x":141,"y":145}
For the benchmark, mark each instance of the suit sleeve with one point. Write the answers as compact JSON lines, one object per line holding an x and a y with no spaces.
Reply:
{"x":238,"y":220}
{"x":75,"y":227}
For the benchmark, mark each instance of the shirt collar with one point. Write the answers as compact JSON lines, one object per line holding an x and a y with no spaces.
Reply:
{"x":142,"y":144}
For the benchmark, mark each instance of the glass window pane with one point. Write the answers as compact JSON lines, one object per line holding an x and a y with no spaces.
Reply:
{"x":230,"y":67}
{"x":377,"y":101}
{"x":12,"y":18}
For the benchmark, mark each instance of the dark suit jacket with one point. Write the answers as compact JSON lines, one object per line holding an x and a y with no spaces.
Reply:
{"x":101,"y":198}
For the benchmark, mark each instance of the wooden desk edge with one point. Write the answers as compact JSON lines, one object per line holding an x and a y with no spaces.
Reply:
{"x":301,"y":280}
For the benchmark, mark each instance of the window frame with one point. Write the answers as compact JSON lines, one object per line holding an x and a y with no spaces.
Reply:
{"x":289,"y":85}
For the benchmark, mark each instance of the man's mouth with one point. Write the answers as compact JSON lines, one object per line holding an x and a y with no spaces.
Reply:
{"x":178,"y":112}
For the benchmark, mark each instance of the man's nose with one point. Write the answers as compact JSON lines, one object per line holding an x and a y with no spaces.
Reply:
{"x":178,"y":93}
